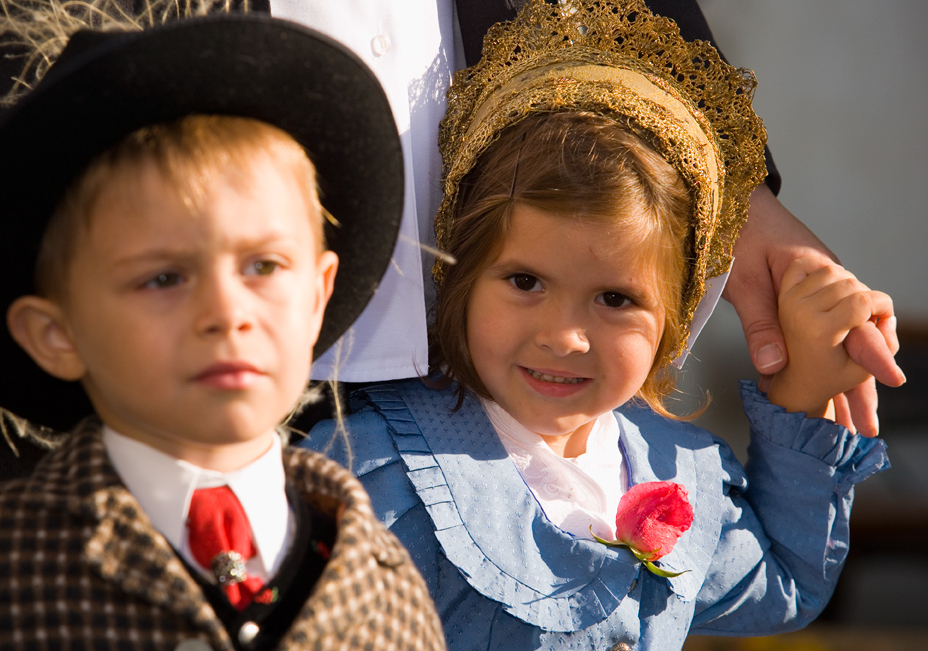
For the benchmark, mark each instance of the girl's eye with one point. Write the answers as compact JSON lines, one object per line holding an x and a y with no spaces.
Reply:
{"x":164,"y":280}
{"x":525,"y":282}
{"x":613,"y":299}
{"x":262,"y":268}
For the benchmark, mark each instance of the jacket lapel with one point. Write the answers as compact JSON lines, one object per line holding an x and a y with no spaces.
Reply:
{"x":122,"y":546}
{"x":362,"y":546}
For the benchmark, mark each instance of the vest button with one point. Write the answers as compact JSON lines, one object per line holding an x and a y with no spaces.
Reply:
{"x":247,"y":633}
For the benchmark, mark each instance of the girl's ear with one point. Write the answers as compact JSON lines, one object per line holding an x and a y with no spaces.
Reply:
{"x":37,"y":325}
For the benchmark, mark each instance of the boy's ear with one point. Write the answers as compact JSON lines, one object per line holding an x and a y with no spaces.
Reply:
{"x":326,"y":267}
{"x":37,"y":325}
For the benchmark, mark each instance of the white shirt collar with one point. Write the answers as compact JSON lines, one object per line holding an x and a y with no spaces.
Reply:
{"x":163,"y":486}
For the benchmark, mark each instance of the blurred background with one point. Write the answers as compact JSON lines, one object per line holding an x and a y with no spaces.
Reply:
{"x":843,"y":92}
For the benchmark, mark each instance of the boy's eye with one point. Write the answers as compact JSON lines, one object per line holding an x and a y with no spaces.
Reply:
{"x":613,"y":299}
{"x":525,"y":282}
{"x":164,"y":280}
{"x":262,"y":268}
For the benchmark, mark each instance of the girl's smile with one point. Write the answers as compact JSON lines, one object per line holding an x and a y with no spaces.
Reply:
{"x":554,"y":386}
{"x":564,"y":325}
{"x":559,"y":379}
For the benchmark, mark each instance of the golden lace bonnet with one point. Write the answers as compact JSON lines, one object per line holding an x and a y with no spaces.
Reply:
{"x":616,"y":59}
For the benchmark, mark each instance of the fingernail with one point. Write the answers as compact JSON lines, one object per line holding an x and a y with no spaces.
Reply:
{"x":768,"y":356}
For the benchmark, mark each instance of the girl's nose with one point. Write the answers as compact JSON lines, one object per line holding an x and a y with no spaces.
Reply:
{"x":562,"y":336}
{"x":222,"y":305}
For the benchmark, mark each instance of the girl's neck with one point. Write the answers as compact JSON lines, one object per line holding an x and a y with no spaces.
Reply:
{"x":569,"y":445}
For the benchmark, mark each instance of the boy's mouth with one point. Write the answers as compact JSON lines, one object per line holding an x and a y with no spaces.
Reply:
{"x":228,"y":375}
{"x":557,"y":379}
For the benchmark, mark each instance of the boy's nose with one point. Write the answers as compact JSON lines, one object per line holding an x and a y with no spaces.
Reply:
{"x":222,"y":308}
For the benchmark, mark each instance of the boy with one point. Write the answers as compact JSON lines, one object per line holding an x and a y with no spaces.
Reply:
{"x":180,"y":277}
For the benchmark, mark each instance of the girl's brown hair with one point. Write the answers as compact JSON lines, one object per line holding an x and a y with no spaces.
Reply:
{"x":581,"y":166}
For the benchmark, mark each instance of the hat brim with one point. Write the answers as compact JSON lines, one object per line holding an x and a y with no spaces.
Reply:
{"x":245,"y":65}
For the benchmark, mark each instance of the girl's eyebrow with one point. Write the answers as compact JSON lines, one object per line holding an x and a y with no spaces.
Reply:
{"x":638,"y":289}
{"x":511,"y":266}
{"x":631,"y":291}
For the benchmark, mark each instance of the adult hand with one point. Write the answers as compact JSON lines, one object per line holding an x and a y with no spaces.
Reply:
{"x":770,"y":240}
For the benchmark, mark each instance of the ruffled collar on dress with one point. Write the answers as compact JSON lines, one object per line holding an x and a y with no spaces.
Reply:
{"x":492,"y":529}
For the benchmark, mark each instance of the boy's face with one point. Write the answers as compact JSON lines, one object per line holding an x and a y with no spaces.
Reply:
{"x":196,"y":331}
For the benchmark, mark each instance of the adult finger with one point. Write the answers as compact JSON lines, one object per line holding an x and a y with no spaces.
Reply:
{"x":770,"y":240}
{"x":755,"y":300}
{"x":843,"y":412}
{"x":763,"y":382}
{"x":887,"y":328}
{"x":862,"y":403}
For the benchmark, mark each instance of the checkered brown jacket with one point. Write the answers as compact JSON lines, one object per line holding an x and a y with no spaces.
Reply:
{"x":81,"y":566}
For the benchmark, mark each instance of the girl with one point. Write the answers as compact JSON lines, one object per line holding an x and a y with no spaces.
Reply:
{"x":597,"y":170}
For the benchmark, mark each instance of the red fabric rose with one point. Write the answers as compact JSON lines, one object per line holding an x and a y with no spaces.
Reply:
{"x":650,"y":519}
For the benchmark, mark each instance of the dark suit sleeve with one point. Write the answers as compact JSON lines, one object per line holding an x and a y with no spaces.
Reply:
{"x":693,"y":26}
{"x":477,"y":16}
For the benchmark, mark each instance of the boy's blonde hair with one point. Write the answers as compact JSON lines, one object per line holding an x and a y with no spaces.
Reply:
{"x":192,"y":154}
{"x":581,"y":166}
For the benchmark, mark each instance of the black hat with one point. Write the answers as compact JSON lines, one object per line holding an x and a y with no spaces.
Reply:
{"x":105,"y":85}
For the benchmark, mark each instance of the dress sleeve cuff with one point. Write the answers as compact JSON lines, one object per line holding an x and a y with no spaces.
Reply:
{"x":821,"y":438}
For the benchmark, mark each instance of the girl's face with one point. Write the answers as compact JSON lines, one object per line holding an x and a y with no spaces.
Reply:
{"x":564,"y":325}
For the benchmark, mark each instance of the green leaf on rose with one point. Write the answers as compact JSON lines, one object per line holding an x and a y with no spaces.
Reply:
{"x":641,"y":556}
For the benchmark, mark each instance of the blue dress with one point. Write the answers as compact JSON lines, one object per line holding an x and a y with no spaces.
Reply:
{"x":763,"y":554}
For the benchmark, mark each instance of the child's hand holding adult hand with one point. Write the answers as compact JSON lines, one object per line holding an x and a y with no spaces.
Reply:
{"x":769,"y":242}
{"x":818,"y":307}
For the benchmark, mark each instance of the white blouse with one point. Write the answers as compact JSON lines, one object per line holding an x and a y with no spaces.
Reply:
{"x":574,"y":493}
